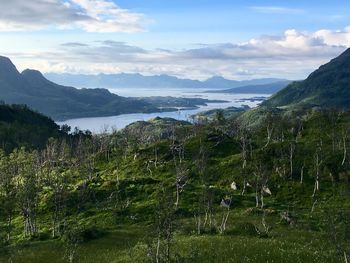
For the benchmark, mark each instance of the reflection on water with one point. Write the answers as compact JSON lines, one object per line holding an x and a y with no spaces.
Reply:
{"x":100,"y":124}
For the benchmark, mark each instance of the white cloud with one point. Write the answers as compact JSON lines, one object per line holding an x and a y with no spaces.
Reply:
{"x":289,"y":46}
{"x":337,"y":38}
{"x":88,"y":15}
{"x":292,"y":55}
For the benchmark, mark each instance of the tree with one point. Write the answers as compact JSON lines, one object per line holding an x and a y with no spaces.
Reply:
{"x":27,"y":167}
{"x":56,"y":173}
{"x":181,"y":171}
{"x":164,"y":223}
{"x":8,"y":192}
{"x":244,"y":138}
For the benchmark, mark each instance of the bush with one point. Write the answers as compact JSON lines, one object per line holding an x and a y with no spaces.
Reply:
{"x":81,"y":234}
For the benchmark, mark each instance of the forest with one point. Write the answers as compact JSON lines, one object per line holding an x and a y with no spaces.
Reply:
{"x":239,"y":189}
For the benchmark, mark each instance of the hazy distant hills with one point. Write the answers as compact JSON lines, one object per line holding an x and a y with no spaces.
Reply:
{"x":329,"y":86}
{"x":269,"y":88}
{"x":124,"y":80}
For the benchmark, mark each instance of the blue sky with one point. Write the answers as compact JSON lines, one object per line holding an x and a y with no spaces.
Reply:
{"x":194,"y":39}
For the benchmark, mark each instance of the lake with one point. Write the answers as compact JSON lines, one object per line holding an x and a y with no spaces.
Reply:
{"x":101,"y":124}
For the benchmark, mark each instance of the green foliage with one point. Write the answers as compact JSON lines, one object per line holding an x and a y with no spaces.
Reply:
{"x":218,"y":192}
{"x":20,"y":126}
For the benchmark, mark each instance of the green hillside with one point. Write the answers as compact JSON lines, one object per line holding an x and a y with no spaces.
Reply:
{"x":20,"y":126}
{"x":329,"y":86}
{"x":215,"y":192}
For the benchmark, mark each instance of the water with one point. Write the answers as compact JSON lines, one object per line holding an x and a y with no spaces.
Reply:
{"x":102,"y":124}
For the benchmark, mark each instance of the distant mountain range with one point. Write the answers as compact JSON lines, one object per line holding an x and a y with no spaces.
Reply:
{"x":123,"y":80}
{"x":329,"y":86}
{"x":269,"y":88}
{"x":64,"y":102}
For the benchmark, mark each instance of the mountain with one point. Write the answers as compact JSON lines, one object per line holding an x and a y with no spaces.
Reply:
{"x":61,"y":102}
{"x":64,"y":102}
{"x":329,"y":86}
{"x":219,"y":82}
{"x":269,"y":88}
{"x":124,"y":80}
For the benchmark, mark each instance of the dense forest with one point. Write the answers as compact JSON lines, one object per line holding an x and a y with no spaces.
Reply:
{"x":219,"y":190}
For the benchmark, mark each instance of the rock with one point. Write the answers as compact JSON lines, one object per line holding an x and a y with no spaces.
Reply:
{"x":226,"y":203}
{"x":287,"y":217}
{"x":234,"y":186}
{"x":266,"y":190}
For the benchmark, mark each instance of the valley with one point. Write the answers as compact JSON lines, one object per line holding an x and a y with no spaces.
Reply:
{"x":236,"y":185}
{"x":174,"y":131}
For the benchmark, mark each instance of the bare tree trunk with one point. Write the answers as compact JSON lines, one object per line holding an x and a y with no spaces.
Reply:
{"x":244,"y":186}
{"x":302,"y":174}
{"x":269,"y":130}
{"x":344,"y":150}
{"x":244,"y":146}
{"x":155,"y":157}
{"x":317,"y":178}
{"x":291,"y":155}
{"x":9,"y":228}
{"x":206,"y":217}
{"x":313,"y":206}
{"x":199,"y":225}
{"x":224,"y":221}
{"x":177,"y":195}
{"x":157,"y":251}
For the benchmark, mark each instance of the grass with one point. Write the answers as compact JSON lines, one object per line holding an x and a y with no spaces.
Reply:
{"x":239,"y":244}
{"x":120,"y":246}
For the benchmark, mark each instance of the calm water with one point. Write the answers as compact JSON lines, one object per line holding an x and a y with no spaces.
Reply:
{"x":101,"y":124}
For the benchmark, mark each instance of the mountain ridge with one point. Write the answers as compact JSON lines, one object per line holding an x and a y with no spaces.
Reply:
{"x":61,"y":102}
{"x":328,"y":86}
{"x":136,"y":80}
{"x":66,"y":102}
{"x":270,"y":88}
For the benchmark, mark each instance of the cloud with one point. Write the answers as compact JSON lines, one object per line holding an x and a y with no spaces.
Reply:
{"x":289,"y":46}
{"x":74,"y":44}
{"x":88,"y":15}
{"x":293,"y":55}
{"x":277,"y":10}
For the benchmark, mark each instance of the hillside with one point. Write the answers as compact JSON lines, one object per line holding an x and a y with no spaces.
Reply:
{"x":329,"y":86}
{"x":170,"y":191}
{"x":269,"y":88}
{"x":20,"y":126}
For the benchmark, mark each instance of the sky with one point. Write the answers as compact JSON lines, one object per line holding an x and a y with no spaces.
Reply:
{"x":197,"y":39}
